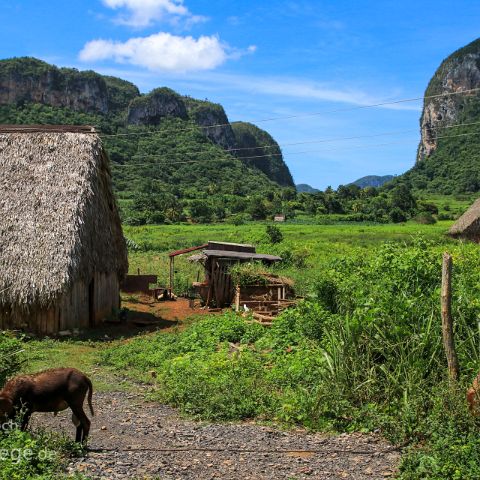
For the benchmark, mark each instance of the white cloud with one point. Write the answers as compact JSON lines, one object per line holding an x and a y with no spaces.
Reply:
{"x":163,"y":52}
{"x":280,"y":88}
{"x":305,"y":89}
{"x":143,"y":13}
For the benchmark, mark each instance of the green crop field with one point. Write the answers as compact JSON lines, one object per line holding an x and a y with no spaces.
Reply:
{"x":306,"y":246}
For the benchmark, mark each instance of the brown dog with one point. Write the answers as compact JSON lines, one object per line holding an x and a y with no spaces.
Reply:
{"x":49,"y":391}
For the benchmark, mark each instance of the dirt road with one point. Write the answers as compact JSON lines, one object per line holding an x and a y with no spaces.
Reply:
{"x":133,"y":439}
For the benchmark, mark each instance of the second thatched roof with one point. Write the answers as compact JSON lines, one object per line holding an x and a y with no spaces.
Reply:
{"x":58,"y":218}
{"x":468,"y":225}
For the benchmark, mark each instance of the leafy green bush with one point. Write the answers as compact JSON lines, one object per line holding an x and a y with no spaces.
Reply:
{"x":274,"y":234}
{"x":294,"y":256}
{"x":28,"y":457}
{"x":453,"y":450}
{"x":249,"y":273}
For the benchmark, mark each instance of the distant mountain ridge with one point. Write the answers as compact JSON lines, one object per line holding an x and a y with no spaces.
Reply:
{"x":305,"y":188}
{"x":373,"y":181}
{"x":28,"y":81}
{"x":173,"y":157}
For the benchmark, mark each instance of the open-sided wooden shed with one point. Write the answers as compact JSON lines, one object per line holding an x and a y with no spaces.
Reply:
{"x":62,"y":251}
{"x":217,"y":258}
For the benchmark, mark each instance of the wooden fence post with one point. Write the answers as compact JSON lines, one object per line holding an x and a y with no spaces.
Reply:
{"x":237,"y":298}
{"x":447,"y":322}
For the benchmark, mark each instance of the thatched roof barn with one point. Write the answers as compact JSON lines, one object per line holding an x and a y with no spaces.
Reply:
{"x":62,"y":251}
{"x":468,"y":225}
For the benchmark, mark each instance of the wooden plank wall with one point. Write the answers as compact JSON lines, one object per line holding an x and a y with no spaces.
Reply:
{"x":107,"y":295}
{"x":221,"y":283}
{"x":71,"y":311}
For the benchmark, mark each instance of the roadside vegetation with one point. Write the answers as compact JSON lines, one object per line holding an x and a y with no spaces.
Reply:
{"x":362,"y":352}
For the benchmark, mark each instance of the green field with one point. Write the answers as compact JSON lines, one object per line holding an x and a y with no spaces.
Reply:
{"x":307,"y":245}
{"x":450,"y":204}
{"x":362,"y":352}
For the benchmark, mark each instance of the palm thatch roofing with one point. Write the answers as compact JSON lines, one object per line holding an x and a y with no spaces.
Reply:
{"x":59,"y":221}
{"x":468,"y":225}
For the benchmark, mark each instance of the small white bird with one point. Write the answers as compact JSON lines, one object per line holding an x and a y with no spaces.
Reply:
{"x":245,"y":307}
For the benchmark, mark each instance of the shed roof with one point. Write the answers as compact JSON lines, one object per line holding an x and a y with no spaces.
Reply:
{"x":241,"y":255}
{"x":58,"y":218}
{"x":231,"y":247}
{"x":187,"y":250}
{"x":468,"y":225}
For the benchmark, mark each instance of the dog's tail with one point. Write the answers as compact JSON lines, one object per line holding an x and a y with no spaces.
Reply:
{"x":90,"y":393}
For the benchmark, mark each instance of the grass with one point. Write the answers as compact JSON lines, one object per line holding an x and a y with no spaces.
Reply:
{"x":450,"y":204}
{"x":316,"y":244}
{"x":77,"y":353}
{"x":362,"y":352}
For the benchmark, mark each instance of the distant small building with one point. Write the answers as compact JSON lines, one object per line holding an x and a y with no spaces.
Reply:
{"x":468,"y":225}
{"x":62,"y":250}
{"x":279,"y":218}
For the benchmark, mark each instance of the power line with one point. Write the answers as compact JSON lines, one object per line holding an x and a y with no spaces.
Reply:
{"x":279,"y":154}
{"x":324,"y":140}
{"x":303,"y":115}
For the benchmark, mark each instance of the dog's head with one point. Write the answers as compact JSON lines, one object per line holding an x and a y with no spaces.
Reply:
{"x":6,"y":406}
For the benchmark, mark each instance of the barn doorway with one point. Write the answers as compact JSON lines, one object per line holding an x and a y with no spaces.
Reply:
{"x":91,"y":303}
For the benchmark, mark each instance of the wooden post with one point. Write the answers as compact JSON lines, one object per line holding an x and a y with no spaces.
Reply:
{"x":447,"y":322}
{"x":211,"y":281}
{"x":237,"y":298}
{"x":172,"y":266}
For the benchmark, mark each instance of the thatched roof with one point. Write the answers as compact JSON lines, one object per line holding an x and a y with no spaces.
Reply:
{"x":468,"y":225}
{"x":58,"y":218}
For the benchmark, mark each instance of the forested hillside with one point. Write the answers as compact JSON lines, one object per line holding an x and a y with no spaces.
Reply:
{"x":260,"y":150}
{"x":176,"y":158}
{"x":173,"y":157}
{"x":448,"y":155}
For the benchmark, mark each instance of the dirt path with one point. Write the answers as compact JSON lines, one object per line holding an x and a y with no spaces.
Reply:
{"x":133,"y":439}
{"x":144,"y":307}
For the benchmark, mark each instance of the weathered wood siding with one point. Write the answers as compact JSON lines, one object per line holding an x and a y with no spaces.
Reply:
{"x":107,"y":295}
{"x":71,"y":311}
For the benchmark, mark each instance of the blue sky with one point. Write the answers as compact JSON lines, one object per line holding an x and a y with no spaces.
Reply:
{"x":267,"y":59}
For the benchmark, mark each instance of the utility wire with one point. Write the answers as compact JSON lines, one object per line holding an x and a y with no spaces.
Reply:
{"x":324,"y":140}
{"x":335,"y":139}
{"x":303,"y":115}
{"x":353,"y":147}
